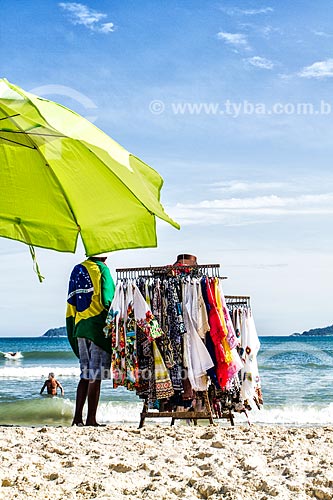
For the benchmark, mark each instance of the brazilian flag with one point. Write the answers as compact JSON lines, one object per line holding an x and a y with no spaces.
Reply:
{"x":90,"y":293}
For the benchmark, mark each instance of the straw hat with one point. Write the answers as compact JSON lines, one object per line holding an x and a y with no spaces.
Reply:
{"x":186,"y":259}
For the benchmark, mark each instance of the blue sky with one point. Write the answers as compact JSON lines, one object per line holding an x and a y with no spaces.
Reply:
{"x":247,"y":171}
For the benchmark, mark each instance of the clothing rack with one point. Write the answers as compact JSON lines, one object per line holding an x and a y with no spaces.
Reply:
{"x":238,"y":300}
{"x":211,"y":270}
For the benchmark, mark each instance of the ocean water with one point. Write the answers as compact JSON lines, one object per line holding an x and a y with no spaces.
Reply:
{"x":296,"y":375}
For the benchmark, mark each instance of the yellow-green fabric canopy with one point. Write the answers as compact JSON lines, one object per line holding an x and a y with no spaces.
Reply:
{"x":60,"y":176}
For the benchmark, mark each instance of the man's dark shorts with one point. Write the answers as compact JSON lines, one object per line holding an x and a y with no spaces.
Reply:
{"x":94,"y":362}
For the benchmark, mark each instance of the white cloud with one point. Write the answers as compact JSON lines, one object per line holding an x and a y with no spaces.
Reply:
{"x":322,"y":34}
{"x":248,"y":12}
{"x":82,"y":15}
{"x":236,"y":39}
{"x":260,"y":62}
{"x":107,"y":28}
{"x":244,"y":211}
{"x":269,"y":30}
{"x":265,"y":31}
{"x":267,"y":202}
{"x":320,"y":69}
{"x":244,"y":186}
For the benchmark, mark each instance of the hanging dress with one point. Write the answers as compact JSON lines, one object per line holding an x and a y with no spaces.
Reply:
{"x":176,"y":331}
{"x":217,"y":335}
{"x":198,"y":360}
{"x":250,"y":346}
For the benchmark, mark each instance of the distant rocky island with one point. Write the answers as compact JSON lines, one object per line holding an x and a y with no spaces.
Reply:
{"x":56,"y":332}
{"x":315,"y":332}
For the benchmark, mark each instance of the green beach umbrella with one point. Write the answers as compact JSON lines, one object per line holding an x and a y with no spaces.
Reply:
{"x":61,"y":177}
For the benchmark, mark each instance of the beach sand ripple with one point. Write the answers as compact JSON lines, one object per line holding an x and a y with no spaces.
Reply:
{"x":122,"y":462}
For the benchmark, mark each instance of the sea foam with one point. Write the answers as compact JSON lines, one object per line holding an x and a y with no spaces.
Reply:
{"x":36,"y":372}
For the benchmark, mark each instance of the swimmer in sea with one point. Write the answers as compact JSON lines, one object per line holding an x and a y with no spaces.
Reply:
{"x":11,"y":355}
{"x":52,"y":385}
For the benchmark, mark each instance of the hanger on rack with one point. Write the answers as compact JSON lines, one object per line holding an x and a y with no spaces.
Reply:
{"x":238,"y":300}
{"x":210,"y":270}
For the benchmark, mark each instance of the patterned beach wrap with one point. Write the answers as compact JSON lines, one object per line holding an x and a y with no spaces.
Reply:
{"x":163,"y":382}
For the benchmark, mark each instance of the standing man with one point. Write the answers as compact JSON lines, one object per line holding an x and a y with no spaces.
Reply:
{"x":90,"y":292}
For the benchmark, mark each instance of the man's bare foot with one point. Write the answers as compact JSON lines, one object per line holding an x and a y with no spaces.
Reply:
{"x":78,"y":424}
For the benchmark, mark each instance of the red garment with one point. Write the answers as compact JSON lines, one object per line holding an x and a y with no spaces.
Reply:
{"x":217,"y":334}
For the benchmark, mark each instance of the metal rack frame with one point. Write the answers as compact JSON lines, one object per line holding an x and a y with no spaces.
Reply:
{"x":211,"y":270}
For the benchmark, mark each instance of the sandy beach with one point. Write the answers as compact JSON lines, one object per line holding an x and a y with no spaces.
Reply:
{"x":209,"y":462}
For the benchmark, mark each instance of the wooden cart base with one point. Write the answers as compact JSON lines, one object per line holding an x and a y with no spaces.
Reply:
{"x":228,"y":415}
{"x":206,"y":414}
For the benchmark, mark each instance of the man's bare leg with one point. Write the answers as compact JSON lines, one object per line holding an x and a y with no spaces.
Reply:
{"x":94,"y":390}
{"x":81,"y":396}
